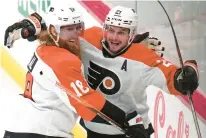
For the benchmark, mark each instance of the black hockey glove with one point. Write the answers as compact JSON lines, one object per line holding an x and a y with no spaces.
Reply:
{"x":187,"y":79}
{"x":135,"y":127}
{"x":26,"y":29}
{"x":151,"y":42}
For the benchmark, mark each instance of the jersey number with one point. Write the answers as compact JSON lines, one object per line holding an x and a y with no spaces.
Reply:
{"x":28,"y":86}
{"x":164,"y":63}
{"x":78,"y":86}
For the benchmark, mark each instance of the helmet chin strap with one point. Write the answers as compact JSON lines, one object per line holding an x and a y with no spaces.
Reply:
{"x":55,"y":41}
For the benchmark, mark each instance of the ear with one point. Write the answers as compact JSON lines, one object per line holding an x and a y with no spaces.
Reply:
{"x":52,"y":30}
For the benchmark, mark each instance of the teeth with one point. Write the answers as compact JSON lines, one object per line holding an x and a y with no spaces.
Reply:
{"x":71,"y":40}
{"x":114,"y":43}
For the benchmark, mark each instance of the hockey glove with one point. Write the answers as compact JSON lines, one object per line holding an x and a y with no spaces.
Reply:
{"x":187,"y":78}
{"x":26,"y":29}
{"x":135,"y":127}
{"x":151,"y":42}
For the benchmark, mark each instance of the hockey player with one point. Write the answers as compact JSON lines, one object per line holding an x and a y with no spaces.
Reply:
{"x":122,"y":70}
{"x":46,"y":111}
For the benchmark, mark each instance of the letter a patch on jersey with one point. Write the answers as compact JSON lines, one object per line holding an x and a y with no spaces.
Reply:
{"x":124,"y":66}
{"x":106,"y":80}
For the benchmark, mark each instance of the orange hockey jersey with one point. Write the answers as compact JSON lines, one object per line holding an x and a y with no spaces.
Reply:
{"x":48,"y":110}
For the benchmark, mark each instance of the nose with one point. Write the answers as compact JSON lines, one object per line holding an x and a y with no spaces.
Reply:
{"x":76,"y":33}
{"x":115,"y":36}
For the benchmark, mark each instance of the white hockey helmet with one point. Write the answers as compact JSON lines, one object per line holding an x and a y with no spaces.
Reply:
{"x":63,"y":16}
{"x":122,"y":17}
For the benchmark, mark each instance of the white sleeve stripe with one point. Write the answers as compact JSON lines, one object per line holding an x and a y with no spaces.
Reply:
{"x":136,"y":120}
{"x":63,"y":97}
{"x":36,"y":24}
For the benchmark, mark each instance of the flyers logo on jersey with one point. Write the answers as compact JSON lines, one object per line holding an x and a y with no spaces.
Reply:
{"x":107,"y":81}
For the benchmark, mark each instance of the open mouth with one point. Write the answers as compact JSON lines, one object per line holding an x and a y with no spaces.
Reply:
{"x":115,"y":43}
{"x":72,"y":41}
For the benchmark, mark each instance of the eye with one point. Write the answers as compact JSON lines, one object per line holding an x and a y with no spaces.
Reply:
{"x":70,"y":28}
{"x":121,"y":33}
{"x":79,"y":27}
{"x":110,"y":30}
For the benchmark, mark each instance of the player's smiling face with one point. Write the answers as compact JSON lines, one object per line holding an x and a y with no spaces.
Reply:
{"x":71,"y":33}
{"x":117,"y":38}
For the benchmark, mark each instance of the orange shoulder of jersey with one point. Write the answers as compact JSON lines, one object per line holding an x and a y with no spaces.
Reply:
{"x":94,"y":36}
{"x":67,"y":68}
{"x":139,"y":52}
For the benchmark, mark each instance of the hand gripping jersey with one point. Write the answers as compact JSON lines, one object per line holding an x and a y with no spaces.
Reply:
{"x":46,"y":109}
{"x":123,"y":79}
